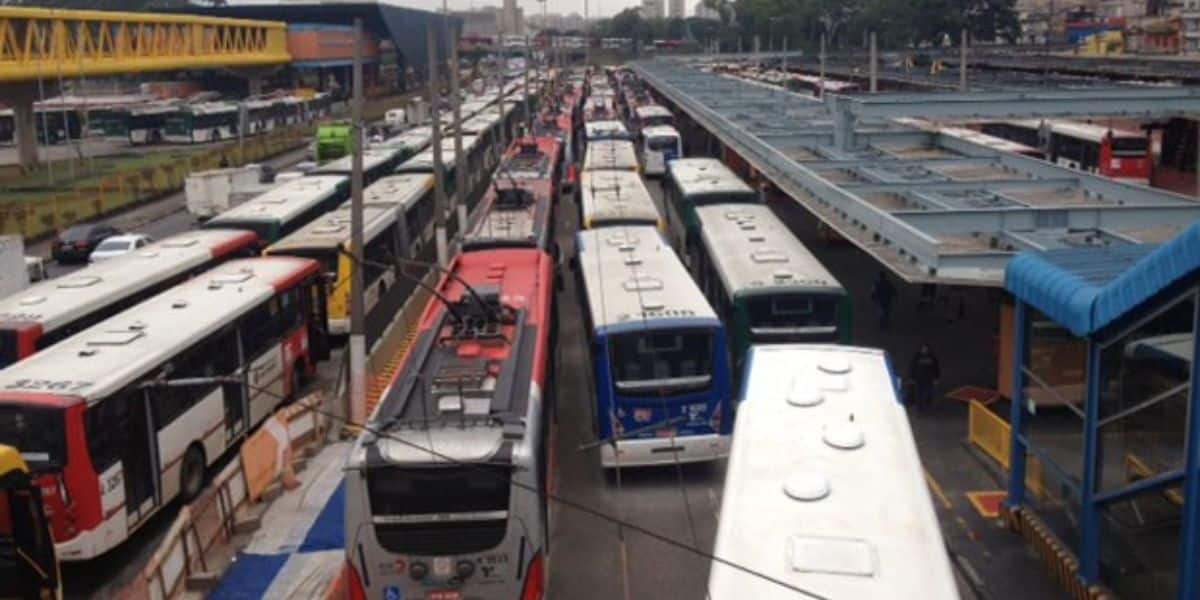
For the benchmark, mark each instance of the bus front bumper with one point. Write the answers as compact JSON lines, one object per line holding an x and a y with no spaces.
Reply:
{"x":665,"y":451}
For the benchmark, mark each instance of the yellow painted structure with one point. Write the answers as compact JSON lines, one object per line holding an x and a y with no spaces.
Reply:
{"x":49,"y":43}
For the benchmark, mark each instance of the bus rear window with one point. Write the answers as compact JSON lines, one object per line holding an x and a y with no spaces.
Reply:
{"x":397,"y":491}
{"x":658,"y":362}
{"x":37,"y":432}
{"x":662,"y":144}
{"x":792,"y":311}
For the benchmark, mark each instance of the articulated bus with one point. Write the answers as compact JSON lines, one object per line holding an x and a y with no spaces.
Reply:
{"x":825,"y":490}
{"x":612,"y":198}
{"x":476,"y":177}
{"x":650,"y":115}
{"x":408,"y":143}
{"x":764,"y":283}
{"x":113,"y":441}
{"x":52,"y":310}
{"x":201,"y":122}
{"x":662,"y":380}
{"x":391,"y":206}
{"x":695,"y":182}
{"x":446,"y":491}
{"x":284,"y":208}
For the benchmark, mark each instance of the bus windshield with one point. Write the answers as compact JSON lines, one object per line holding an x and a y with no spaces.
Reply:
{"x":37,"y":432}
{"x":414,"y":491}
{"x":657,"y":362}
{"x":1129,"y":146}
{"x":793,"y":314}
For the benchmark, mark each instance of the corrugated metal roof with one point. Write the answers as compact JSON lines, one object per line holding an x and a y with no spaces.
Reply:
{"x":1086,"y":289}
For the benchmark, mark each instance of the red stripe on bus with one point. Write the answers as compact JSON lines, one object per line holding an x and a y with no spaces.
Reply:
{"x":112,"y":511}
{"x":40,"y":399}
{"x":305,"y":267}
{"x":244,"y":239}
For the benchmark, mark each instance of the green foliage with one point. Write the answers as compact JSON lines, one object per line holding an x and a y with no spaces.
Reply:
{"x":898,"y":23}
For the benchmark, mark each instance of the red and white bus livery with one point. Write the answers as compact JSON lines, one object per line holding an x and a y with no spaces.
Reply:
{"x":1083,"y":146}
{"x":128,"y":414}
{"x":446,"y":490}
{"x":54,"y":309}
{"x":517,"y":211}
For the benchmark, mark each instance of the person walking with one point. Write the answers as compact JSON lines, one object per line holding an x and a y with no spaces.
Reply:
{"x":925,"y":373}
{"x":882,"y":294}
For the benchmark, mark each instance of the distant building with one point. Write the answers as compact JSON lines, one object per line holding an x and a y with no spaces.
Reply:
{"x":1189,"y":23}
{"x":703,"y":11}
{"x":571,"y":22}
{"x":481,"y":22}
{"x":512,"y":18}
{"x":675,"y":9}
{"x":652,"y":9}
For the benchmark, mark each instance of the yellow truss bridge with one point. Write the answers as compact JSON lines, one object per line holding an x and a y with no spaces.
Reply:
{"x":50,"y":43}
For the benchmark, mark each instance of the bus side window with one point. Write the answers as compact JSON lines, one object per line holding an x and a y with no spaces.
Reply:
{"x":291,"y":312}
{"x":260,"y":328}
{"x":106,"y":428}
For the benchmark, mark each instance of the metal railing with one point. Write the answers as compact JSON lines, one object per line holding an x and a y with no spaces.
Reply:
{"x":992,"y":434}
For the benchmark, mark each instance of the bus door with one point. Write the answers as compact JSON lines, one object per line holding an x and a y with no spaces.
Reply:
{"x":263,"y":360}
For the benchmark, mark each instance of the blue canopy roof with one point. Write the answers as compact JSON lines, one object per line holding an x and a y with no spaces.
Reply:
{"x":1086,"y":289}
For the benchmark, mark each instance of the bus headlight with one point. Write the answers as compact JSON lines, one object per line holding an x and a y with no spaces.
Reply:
{"x":464,"y":569}
{"x":418,"y":570}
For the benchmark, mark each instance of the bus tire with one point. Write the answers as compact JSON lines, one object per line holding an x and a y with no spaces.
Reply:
{"x":192,"y":473}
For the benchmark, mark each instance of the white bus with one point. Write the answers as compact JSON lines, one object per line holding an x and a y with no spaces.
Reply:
{"x":825,"y":491}
{"x":408,"y":143}
{"x":660,"y":145}
{"x":766,"y":285}
{"x":658,"y":352}
{"x":611,"y":155}
{"x":605,"y":130}
{"x":201,"y":122}
{"x":610,"y":198}
{"x":422,"y":162}
{"x":52,"y":310}
{"x":390,"y":206}
{"x":113,"y":442}
{"x":285,"y":208}
{"x":376,"y":162}
{"x":649,"y":115}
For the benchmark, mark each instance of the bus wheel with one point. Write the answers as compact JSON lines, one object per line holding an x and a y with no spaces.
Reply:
{"x":191,"y":476}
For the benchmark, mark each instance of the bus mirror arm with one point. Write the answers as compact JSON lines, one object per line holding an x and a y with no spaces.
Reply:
{"x":632,"y":432}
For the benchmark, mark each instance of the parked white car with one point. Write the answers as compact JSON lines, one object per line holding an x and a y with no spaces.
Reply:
{"x":117,"y":245}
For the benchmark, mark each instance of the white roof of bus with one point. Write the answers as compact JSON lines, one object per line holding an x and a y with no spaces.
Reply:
{"x":372,"y":159}
{"x":1084,"y":131}
{"x":106,"y":357}
{"x":594,"y":129}
{"x":332,"y":229}
{"x":610,"y":155}
{"x":417,"y":138}
{"x":646,"y":111}
{"x":755,"y":253}
{"x":654,"y":131}
{"x":630,"y":273}
{"x":403,"y":189}
{"x":422,"y":162}
{"x":56,"y":302}
{"x":983,"y":139}
{"x":802,"y":409}
{"x":621,"y":196}
{"x":705,"y":176}
{"x":479,"y":123}
{"x":285,"y":201}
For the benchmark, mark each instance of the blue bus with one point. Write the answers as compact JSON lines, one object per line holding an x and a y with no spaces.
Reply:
{"x":659,"y":353}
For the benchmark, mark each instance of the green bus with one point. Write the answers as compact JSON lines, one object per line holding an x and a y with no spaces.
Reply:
{"x":696,"y":182}
{"x":765,"y":284}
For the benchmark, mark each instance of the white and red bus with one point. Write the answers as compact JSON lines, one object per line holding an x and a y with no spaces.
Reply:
{"x":446,"y":492}
{"x":990,"y":141}
{"x":55,"y":309}
{"x":517,"y":211}
{"x":1083,"y":146}
{"x":112,"y":442}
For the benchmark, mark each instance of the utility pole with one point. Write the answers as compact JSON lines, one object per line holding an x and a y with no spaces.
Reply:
{"x":821,"y":79}
{"x":460,"y":163}
{"x":874,"y":65}
{"x":528,"y":108}
{"x":962,"y":61}
{"x":439,"y":170}
{"x":587,"y":37}
{"x":783,"y":60}
{"x":358,"y":338}
{"x":501,"y":64}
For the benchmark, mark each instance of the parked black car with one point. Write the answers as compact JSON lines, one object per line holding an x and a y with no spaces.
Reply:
{"x":77,"y":242}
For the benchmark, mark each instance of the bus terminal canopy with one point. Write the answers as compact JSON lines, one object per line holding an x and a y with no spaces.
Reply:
{"x":405,"y":27}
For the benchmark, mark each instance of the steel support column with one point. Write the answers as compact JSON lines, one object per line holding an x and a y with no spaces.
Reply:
{"x":1189,"y":553}
{"x":1089,"y":518}
{"x":1016,"y":418}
